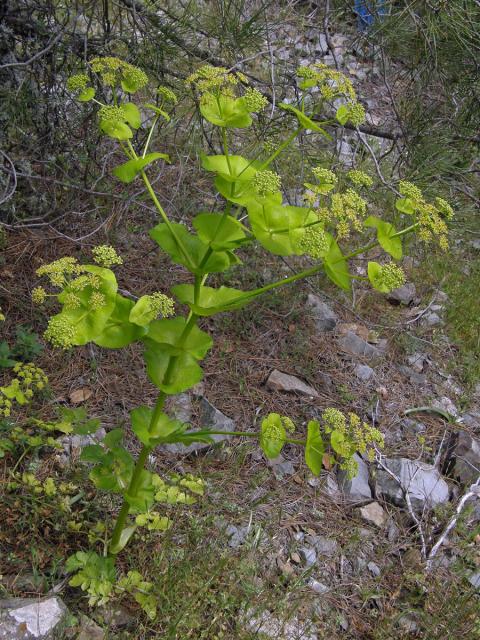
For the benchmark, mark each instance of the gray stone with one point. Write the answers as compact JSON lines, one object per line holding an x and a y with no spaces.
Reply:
{"x":374,"y":514}
{"x":325,"y":318}
{"x":323,"y":546}
{"x":237,"y":535}
{"x":356,"y":488}
{"x":73,"y":444}
{"x":25,"y":619}
{"x":279,"y":381}
{"x":426,"y":487}
{"x":403,"y":295}
{"x":281,"y":467}
{"x":374,"y":569}
{"x":407,"y":623}
{"x":410,"y":426}
{"x":417,"y":361}
{"x":474,"y":580}
{"x":317,"y":586}
{"x":89,"y":630}
{"x":210,"y":418}
{"x":308,"y":555}
{"x":432,"y":319}
{"x":445,"y":404}
{"x":264,"y":625}
{"x":115,"y":616}
{"x":364,"y":372}
{"x":467,"y":458}
{"x":414,"y":377}
{"x":351,"y":343}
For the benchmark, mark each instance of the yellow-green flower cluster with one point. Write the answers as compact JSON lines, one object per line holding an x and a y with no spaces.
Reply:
{"x":96,"y":301}
{"x":106,"y":256}
{"x":39,"y":295}
{"x":254,"y":100}
{"x":60,"y":333}
{"x":324,"y":176}
{"x":59,"y":270}
{"x":410,"y":190}
{"x":351,"y":435}
{"x":161,"y":305}
{"x":314,"y":242}
{"x":84,"y":281}
{"x":113,"y":71}
{"x":360,"y":178}
{"x":347,"y":211}
{"x":214,"y":79}
{"x":391,"y":276}
{"x":29,"y":379}
{"x":167,"y":94}
{"x":112,"y":113}
{"x":265,"y":182}
{"x":356,"y":113}
{"x":77,"y":82}
{"x":431,"y":217}
{"x":275,"y":425}
{"x":332,"y":83}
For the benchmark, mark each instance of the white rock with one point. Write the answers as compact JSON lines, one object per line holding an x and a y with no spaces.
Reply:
{"x":279,"y":381}
{"x":374,"y":514}
{"x":364,"y":372}
{"x":41,"y":619}
{"x":356,"y":488}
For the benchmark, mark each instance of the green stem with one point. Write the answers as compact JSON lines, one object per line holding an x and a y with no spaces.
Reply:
{"x":225,"y":149}
{"x":146,"y":449}
{"x":155,"y":120}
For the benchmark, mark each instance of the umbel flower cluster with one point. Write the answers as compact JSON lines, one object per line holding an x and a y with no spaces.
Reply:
{"x":348,"y":434}
{"x":333,"y":85}
{"x":28,"y":380}
{"x":431,"y":217}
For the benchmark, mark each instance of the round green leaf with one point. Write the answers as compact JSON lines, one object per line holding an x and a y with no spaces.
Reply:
{"x":184,"y":374}
{"x":314,"y":448}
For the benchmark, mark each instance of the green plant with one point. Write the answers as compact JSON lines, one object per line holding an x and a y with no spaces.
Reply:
{"x":25,"y":349}
{"x":92,"y":310}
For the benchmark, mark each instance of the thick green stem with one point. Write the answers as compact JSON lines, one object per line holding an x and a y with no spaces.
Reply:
{"x":283,"y":146}
{"x":146,"y":449}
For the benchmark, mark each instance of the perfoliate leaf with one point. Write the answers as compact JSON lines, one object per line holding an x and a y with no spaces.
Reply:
{"x":314,"y":447}
{"x":173,"y":238}
{"x":336,"y":266}
{"x":272,"y":435}
{"x":337,"y":440}
{"x":117,"y":130}
{"x":168,"y":333}
{"x":374,"y":272}
{"x":125,"y":536}
{"x":118,"y":330}
{"x":405,"y":205}
{"x":219,"y":231}
{"x":132,"y":114}
{"x":128,"y":171}
{"x":184,"y":374}
{"x":233,"y":168}
{"x":385,"y":231}
{"x":343,"y":113}
{"x":225,"y":111}
{"x":211,"y":301}
{"x":150,"y":434}
{"x":275,"y":225}
{"x":86,"y":95}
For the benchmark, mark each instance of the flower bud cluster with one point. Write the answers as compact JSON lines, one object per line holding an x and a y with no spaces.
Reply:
{"x":29,"y":379}
{"x":360,"y":178}
{"x":214,"y":79}
{"x":431,"y":217}
{"x":347,"y":211}
{"x":161,"y":305}
{"x":167,"y":94}
{"x":112,"y":113}
{"x":254,"y":100}
{"x":332,"y":83}
{"x":106,"y":256}
{"x":77,"y":83}
{"x":314,"y":242}
{"x":59,"y":270}
{"x":113,"y":71}
{"x":60,"y":333}
{"x":391,"y":276}
{"x":265,"y":182}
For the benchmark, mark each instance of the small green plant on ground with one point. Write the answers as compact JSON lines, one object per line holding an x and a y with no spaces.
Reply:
{"x":323,"y":230}
{"x":26,"y":348}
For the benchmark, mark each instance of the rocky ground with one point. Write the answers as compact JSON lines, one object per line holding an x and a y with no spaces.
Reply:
{"x":375,"y":556}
